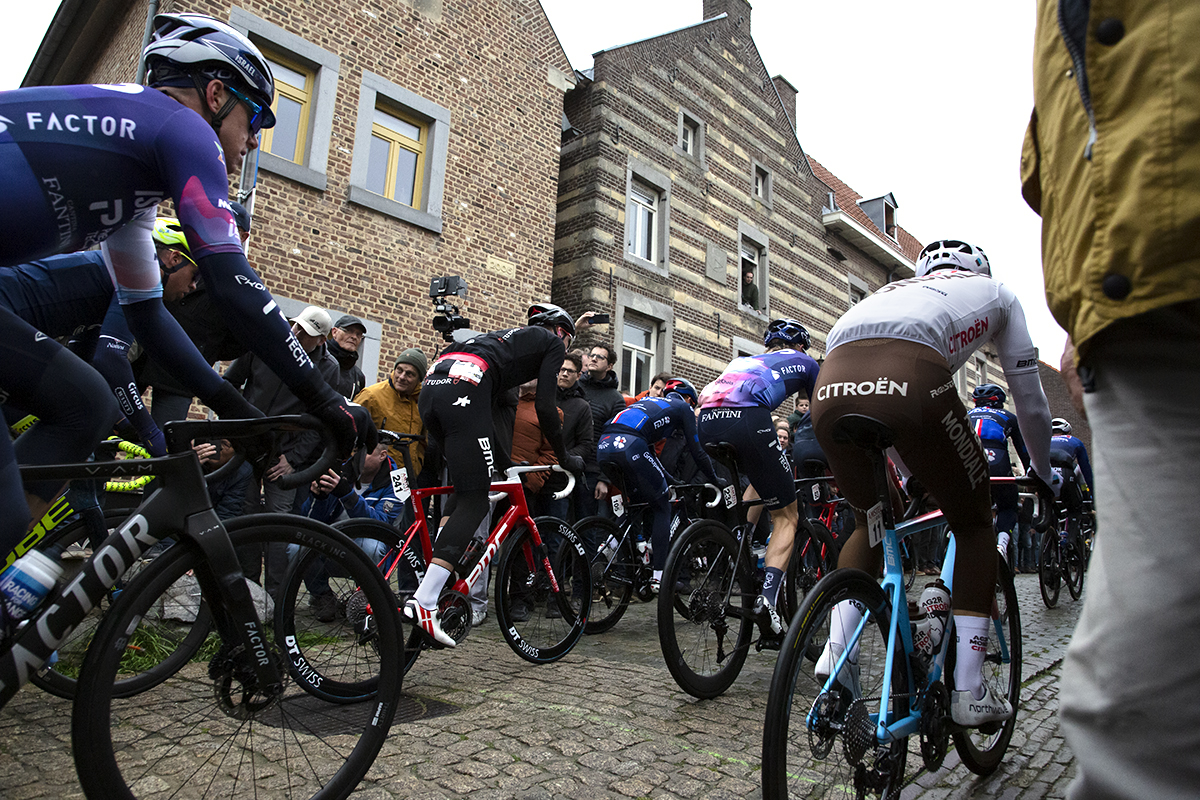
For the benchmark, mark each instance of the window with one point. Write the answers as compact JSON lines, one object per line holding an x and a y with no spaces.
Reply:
{"x":293,"y":96}
{"x":981,"y":369}
{"x":856,"y":295}
{"x":858,"y":289}
{"x":306,"y":78}
{"x":400,"y":145}
{"x":690,"y":138}
{"x":753,"y":257}
{"x":647,"y":217}
{"x":644,"y":225}
{"x":396,"y":157}
{"x":760,"y":183}
{"x":639,"y":339}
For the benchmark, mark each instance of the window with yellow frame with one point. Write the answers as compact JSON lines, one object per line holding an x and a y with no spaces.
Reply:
{"x":396,"y":162}
{"x":293,"y":99}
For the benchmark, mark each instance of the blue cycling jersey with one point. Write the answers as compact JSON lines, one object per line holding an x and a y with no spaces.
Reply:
{"x":655,"y":418}
{"x":994,"y":426}
{"x":764,"y":380}
{"x":1065,"y":448}
{"x":58,"y":295}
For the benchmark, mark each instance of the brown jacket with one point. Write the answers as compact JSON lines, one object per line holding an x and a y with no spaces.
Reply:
{"x":530,"y":445}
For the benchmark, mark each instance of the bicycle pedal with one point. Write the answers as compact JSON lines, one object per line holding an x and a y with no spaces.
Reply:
{"x":769,"y":642}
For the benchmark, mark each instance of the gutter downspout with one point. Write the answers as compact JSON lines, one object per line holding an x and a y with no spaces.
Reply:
{"x":151,"y":12}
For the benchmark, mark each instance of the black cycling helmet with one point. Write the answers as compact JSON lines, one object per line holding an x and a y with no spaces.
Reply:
{"x":990,"y":395}
{"x":548,"y":315}
{"x":682,"y":388}
{"x":952,"y":254}
{"x":789,"y":331}
{"x":185,"y":46}
{"x":1060,"y":425}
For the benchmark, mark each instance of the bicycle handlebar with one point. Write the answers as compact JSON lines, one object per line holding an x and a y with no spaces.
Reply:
{"x":1044,"y":510}
{"x":674,"y":488}
{"x":513,"y":473}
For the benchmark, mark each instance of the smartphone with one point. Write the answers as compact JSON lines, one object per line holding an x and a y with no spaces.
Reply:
{"x":599,"y":319}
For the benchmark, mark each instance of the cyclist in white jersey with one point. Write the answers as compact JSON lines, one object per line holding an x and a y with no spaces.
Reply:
{"x":893,"y":357}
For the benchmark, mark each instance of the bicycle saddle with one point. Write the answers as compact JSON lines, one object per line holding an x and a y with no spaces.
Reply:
{"x":863,"y":431}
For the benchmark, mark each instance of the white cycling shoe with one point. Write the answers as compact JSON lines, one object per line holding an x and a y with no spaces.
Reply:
{"x":429,"y":622}
{"x":968,"y":712}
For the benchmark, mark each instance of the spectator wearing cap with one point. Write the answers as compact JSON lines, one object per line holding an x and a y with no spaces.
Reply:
{"x":204,"y":324}
{"x":344,"y":343}
{"x":393,"y":403}
{"x":266,"y":392}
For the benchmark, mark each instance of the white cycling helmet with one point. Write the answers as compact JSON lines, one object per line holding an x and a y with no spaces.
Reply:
{"x":185,"y":44}
{"x":1060,"y":426}
{"x":952,"y":254}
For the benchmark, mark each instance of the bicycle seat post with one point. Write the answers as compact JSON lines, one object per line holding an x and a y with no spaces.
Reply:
{"x":874,"y":437}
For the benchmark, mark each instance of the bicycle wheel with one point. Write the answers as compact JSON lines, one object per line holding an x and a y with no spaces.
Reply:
{"x":171,"y":632}
{"x":819,"y":744}
{"x":705,"y":643}
{"x":613,"y":572}
{"x":203,"y":732}
{"x":1049,"y":573}
{"x":540,"y":624}
{"x":820,"y":559}
{"x":1074,"y":556}
{"x":982,"y":749}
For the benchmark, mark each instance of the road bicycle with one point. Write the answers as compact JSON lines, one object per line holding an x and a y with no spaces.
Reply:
{"x":846,"y":735}
{"x":706,"y":618}
{"x":621,"y":559}
{"x":1064,"y":553}
{"x":215,"y":714}
{"x":541,"y":564}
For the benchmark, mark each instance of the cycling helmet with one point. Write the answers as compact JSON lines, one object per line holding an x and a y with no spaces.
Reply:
{"x":788,"y":331}
{"x":952,"y":254}
{"x":548,"y":315}
{"x":167,"y":232}
{"x":989,"y":394}
{"x":185,"y":44}
{"x":1060,"y":425}
{"x":682,"y":388}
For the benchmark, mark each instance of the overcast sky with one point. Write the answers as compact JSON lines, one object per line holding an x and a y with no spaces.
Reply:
{"x":926,"y":100}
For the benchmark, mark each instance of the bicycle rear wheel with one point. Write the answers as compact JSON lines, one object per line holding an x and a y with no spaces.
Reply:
{"x":819,"y":744}
{"x":204,"y":732}
{"x":982,"y":749}
{"x":613,"y":572}
{"x":1049,"y":568}
{"x":540,"y":624}
{"x":704,"y":608}
{"x":1074,"y":556}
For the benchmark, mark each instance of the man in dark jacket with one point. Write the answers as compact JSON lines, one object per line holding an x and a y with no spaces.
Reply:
{"x":344,"y":343}
{"x":599,"y":387}
{"x":578,"y":437}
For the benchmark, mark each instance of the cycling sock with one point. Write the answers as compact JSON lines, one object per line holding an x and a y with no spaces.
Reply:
{"x":430,"y":590}
{"x":1002,"y":540}
{"x":972,"y":647}
{"x":771,"y":582}
{"x":658,"y":575}
{"x":843,"y":621}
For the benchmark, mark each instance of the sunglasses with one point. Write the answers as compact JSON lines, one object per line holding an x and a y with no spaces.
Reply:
{"x":260,"y":116}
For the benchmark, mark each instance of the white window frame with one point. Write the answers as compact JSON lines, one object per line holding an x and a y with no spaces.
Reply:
{"x":311,"y":166}
{"x":643,"y":308}
{"x":629,"y":351}
{"x":378,"y":92}
{"x":690,"y":126}
{"x":857,"y":290}
{"x":640,"y":174}
{"x":765,"y":193}
{"x":753,"y":238}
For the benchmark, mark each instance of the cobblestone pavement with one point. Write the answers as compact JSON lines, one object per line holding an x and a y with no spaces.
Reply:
{"x":606,"y":722}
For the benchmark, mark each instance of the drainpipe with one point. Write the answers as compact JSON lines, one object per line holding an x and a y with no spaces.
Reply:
{"x":151,"y":11}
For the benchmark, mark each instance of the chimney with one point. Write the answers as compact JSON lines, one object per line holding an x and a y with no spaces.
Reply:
{"x":738,"y":10}
{"x":787,"y":93}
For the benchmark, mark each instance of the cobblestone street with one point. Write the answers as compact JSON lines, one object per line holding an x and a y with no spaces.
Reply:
{"x":606,"y":722}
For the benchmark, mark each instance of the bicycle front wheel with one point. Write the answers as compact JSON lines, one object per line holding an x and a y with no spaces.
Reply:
{"x":614,"y":570}
{"x":982,"y":749}
{"x":1049,"y":572}
{"x":822,"y":744}
{"x":704,"y":608}
{"x":540,"y":622}
{"x":204,"y":731}
{"x":1074,"y":556}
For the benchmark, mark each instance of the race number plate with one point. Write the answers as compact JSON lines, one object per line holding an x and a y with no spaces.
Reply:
{"x":875,"y":524}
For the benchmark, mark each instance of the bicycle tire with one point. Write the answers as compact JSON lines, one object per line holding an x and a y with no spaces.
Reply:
{"x":185,"y":735}
{"x":175,"y":643}
{"x":333,"y":660}
{"x":554,"y":621}
{"x":702,"y":570}
{"x":613,"y":574}
{"x":982,"y":749}
{"x":816,"y":565}
{"x":1049,"y":573}
{"x":799,"y":760}
{"x":1074,"y":557}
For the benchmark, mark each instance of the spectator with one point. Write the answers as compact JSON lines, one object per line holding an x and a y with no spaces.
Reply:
{"x":344,"y":342}
{"x":599,"y":387}
{"x":577,"y":437}
{"x":228,"y":494}
{"x":749,"y":290}
{"x":793,"y":419}
{"x":393,"y":403}
{"x":656,"y":389}
{"x":528,"y":442}
{"x":298,"y":450}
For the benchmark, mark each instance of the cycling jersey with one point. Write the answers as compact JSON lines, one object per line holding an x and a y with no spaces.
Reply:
{"x":995,"y":426}
{"x":58,"y":295}
{"x":764,"y":380}
{"x":1068,"y":450}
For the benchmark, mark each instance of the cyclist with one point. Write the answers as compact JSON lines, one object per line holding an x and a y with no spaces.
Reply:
{"x":994,"y":426}
{"x":456,"y":407}
{"x":893,"y":357}
{"x":736,"y":408}
{"x":1070,"y":454}
{"x":88,"y":165}
{"x":627,"y":447}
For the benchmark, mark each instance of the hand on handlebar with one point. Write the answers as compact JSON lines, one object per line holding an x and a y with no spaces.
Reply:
{"x":1053,"y":484}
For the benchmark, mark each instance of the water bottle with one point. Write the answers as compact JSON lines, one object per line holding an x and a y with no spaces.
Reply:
{"x":27,"y":582}
{"x":933,"y":611}
{"x":759,"y":552}
{"x":643,"y":548}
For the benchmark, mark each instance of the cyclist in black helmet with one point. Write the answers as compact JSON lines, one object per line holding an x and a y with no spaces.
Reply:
{"x":995,"y":426}
{"x":456,"y":407}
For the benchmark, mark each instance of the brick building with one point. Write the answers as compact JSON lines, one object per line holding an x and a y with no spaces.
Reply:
{"x":417,"y":138}
{"x":682,"y":170}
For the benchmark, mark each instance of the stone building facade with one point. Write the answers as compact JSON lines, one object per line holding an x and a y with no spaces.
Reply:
{"x":417,"y":138}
